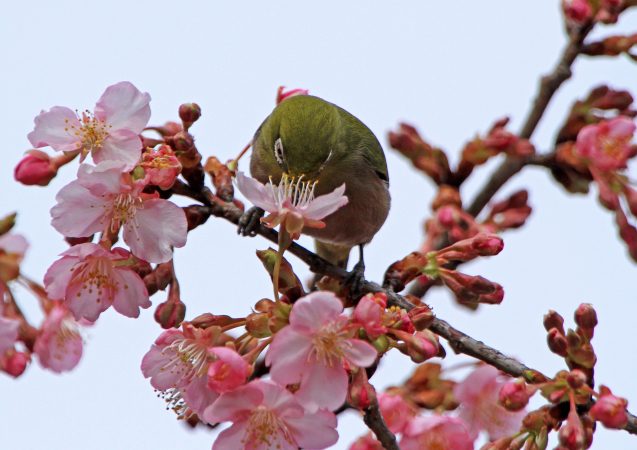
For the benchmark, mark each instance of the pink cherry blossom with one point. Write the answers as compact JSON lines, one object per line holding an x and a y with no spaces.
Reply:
{"x":478,"y":398}
{"x":228,"y":372}
{"x":59,"y":345}
{"x":91,"y":279}
{"x":606,"y":145}
{"x":111,"y":132}
{"x":313,"y":350}
{"x":436,"y":433}
{"x":104,"y":196}
{"x":369,"y":313}
{"x":396,"y":412}
{"x":291,"y":203}
{"x":266,"y":416}
{"x":177,"y":365}
{"x":610,"y":410}
{"x":8,"y":332}
{"x":161,"y":167}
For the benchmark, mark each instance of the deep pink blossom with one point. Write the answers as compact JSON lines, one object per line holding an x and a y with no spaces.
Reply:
{"x":436,"y":433}
{"x":606,"y":145}
{"x":479,"y":408}
{"x":14,"y":363}
{"x":91,"y":279}
{"x":610,"y":410}
{"x":104,"y":196}
{"x":291,"y":203}
{"x":267,"y":416}
{"x":59,"y":345}
{"x":8,"y":332}
{"x":161,"y":167}
{"x":369,"y":313}
{"x":313,"y":350}
{"x":228,"y":372}
{"x":111,"y":132}
{"x":177,"y":364}
{"x":396,"y":412}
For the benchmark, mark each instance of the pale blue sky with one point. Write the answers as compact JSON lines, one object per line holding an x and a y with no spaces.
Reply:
{"x":450,"y":68}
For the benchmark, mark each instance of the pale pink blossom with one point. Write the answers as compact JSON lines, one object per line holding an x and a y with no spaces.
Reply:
{"x":91,"y":279}
{"x":369,"y":313}
{"x":606,"y":145}
{"x":59,"y":345}
{"x":177,"y":365}
{"x":436,"y":433}
{"x":609,"y":409}
{"x":161,"y":167}
{"x":8,"y":333}
{"x":228,"y":372}
{"x":266,"y":416}
{"x":291,"y":203}
{"x":479,"y":408}
{"x":111,"y":132}
{"x":396,"y":412}
{"x":104,"y":197}
{"x":313,"y":350}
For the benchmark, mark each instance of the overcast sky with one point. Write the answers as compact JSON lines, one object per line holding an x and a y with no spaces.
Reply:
{"x":450,"y":68}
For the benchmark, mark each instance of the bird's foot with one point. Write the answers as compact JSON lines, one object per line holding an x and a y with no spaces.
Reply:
{"x":249,"y":221}
{"x":355,"y":280}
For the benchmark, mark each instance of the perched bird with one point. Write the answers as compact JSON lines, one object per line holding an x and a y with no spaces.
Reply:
{"x":309,"y":137}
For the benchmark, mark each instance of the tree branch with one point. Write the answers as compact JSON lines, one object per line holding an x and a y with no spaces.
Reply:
{"x":548,"y":86}
{"x":375,"y":422}
{"x":459,"y":341}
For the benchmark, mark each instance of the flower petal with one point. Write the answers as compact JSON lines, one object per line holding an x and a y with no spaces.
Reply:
{"x":120,"y":145}
{"x":315,"y":430}
{"x":78,"y":213}
{"x":315,"y":310}
{"x":58,"y":276}
{"x":325,"y":205}
{"x":132,"y":293}
{"x":322,"y":386}
{"x":104,"y":178}
{"x":123,"y":106}
{"x":359,"y":352}
{"x":287,"y":355}
{"x":54,"y":129}
{"x":256,"y":193}
{"x":232,"y":406}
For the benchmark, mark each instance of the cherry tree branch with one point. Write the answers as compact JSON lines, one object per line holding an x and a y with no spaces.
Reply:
{"x":548,"y":86}
{"x":459,"y":341}
{"x":375,"y":422}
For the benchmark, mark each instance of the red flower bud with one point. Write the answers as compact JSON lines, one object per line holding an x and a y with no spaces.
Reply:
{"x":170,"y":314}
{"x":577,"y":11}
{"x":14,"y":363}
{"x":557,"y":342}
{"x":189,"y":113}
{"x":36,"y":168}
{"x":585,"y":316}
{"x":361,"y":394}
{"x":554,"y":320}
{"x":514,"y":396}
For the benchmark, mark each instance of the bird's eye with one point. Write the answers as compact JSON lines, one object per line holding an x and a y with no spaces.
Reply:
{"x":278,"y":151}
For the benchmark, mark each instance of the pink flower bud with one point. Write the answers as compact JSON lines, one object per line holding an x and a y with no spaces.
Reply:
{"x":577,"y":11}
{"x":14,"y":363}
{"x":514,"y":396}
{"x":576,"y":379}
{"x":554,"y":320}
{"x":422,"y":346}
{"x":422,"y":317}
{"x":493,"y":299}
{"x":610,"y":410}
{"x":572,"y":435}
{"x":36,"y":168}
{"x":189,"y":113}
{"x":280,"y":96}
{"x":361,"y":394}
{"x":557,"y":342}
{"x":170,"y":314}
{"x":585,"y":316}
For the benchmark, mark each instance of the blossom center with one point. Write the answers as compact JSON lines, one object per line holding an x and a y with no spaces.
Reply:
{"x":188,"y":359}
{"x":67,"y":331}
{"x":95,"y":274}
{"x":264,"y":429}
{"x":92,"y":131}
{"x":292,"y":192}
{"x":328,"y":345}
{"x":123,"y":210}
{"x":613,"y":147}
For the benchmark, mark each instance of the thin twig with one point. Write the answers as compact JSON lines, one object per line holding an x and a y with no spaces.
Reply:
{"x":375,"y":422}
{"x":548,"y":86}
{"x":459,"y":341}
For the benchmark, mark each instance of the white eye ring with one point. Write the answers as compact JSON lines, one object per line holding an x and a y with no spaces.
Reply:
{"x":278,"y":151}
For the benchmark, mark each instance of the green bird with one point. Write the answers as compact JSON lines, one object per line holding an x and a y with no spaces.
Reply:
{"x":307,"y":136}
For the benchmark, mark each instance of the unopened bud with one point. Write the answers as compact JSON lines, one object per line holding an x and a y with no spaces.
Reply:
{"x":494,"y":298}
{"x":257,"y":325}
{"x":6,"y":223}
{"x":571,"y":435}
{"x":170,"y":314}
{"x":422,"y":317}
{"x":553,"y":320}
{"x":577,"y":11}
{"x":514,"y":396}
{"x":14,"y":363}
{"x":422,"y":346}
{"x":208,"y":320}
{"x":36,"y":168}
{"x":585,"y":316}
{"x":264,"y":305}
{"x":189,"y":113}
{"x":610,"y":410}
{"x":557,"y":342}
{"x":361,"y":394}
{"x":583,"y":355}
{"x":381,"y":344}
{"x":576,"y":379}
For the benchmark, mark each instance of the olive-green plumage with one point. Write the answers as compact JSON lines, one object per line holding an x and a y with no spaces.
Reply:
{"x":308,"y":136}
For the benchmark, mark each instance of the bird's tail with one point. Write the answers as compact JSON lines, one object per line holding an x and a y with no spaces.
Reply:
{"x":336,"y":254}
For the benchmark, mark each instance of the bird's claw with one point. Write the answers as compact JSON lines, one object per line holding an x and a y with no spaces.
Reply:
{"x":355,"y":280}
{"x":249,"y":221}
